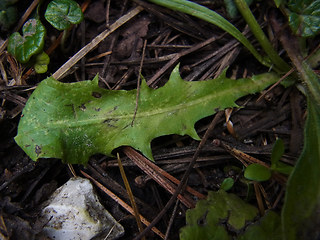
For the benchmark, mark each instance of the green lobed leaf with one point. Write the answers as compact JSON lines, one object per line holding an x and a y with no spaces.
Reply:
{"x":300,"y":213}
{"x":31,"y":43}
{"x":73,"y":121}
{"x":210,"y":218}
{"x":62,"y":13}
{"x":257,"y":172}
{"x":304,"y":18}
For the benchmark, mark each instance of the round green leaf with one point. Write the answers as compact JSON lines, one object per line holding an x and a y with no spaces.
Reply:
{"x":257,"y":172}
{"x":31,"y":43}
{"x":42,"y":61}
{"x":227,"y":184}
{"x":62,"y":13}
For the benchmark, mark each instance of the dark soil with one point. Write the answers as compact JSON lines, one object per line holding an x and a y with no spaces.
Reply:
{"x":280,"y":113}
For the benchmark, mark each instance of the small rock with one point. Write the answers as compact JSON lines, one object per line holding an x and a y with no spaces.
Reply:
{"x":74,"y":212}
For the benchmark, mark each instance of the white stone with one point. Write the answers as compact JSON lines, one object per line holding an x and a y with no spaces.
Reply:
{"x":74,"y":212}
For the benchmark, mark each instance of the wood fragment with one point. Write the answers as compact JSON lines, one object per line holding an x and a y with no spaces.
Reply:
{"x":131,"y":197}
{"x":175,"y":59}
{"x":154,"y":172}
{"x":259,"y":198}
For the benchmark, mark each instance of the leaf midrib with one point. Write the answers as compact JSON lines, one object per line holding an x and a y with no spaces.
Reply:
{"x":99,"y":120}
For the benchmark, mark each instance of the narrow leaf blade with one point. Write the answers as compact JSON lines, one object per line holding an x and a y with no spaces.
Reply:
{"x":300,"y":214}
{"x":211,"y":16}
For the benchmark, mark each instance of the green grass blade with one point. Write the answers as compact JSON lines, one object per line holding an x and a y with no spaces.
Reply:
{"x":210,"y":16}
{"x":260,"y":36}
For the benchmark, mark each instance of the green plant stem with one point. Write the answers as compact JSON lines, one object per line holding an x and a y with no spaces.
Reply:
{"x":64,"y":38}
{"x":308,"y":77}
{"x":260,"y":36}
{"x":311,"y":80}
{"x":210,"y":16}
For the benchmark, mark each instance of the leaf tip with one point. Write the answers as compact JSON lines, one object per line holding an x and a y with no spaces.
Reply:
{"x":192,"y":133}
{"x":147,"y":152}
{"x":175,"y":76}
{"x":144,"y":84}
{"x":95,"y":80}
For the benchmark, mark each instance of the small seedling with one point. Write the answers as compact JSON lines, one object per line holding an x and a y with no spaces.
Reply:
{"x":277,"y":152}
{"x":28,"y":47}
{"x":61,"y":14}
{"x":227,"y":184}
{"x":30,"y":43}
{"x":257,"y":172}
